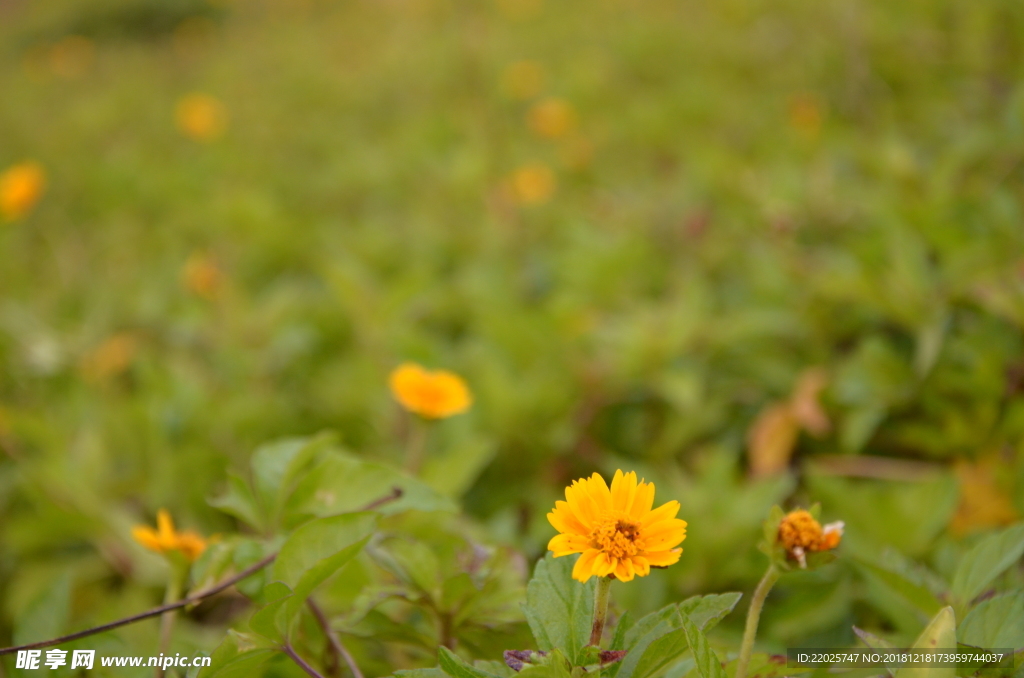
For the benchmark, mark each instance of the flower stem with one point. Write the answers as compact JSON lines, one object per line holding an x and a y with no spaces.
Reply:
{"x":172,"y":595}
{"x":416,"y":445}
{"x":604,"y":585}
{"x":753,"y":616}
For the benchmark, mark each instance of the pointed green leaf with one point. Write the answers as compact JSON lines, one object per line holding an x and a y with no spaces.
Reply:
{"x":318,"y":549}
{"x":453,"y":665}
{"x":986,"y":561}
{"x":707,"y":662}
{"x":555,"y":665}
{"x":940,"y":634}
{"x":707,"y":611}
{"x":996,"y":622}
{"x":275,"y":467}
{"x":559,"y":609}
{"x":268,"y":620}
{"x":913,"y":594}
{"x":239,"y":501}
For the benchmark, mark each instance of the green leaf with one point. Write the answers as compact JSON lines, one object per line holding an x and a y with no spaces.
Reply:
{"x":46,"y":616}
{"x":996,"y":622}
{"x":268,"y":620}
{"x":624,"y":624}
{"x":707,"y":611}
{"x":986,"y":561}
{"x":641,"y":636}
{"x":708,"y":664}
{"x":913,"y":594}
{"x":343,"y":483}
{"x":940,"y":634}
{"x":239,"y":501}
{"x":559,"y":609}
{"x":239,"y":656}
{"x":318,"y":549}
{"x":420,"y":673}
{"x":453,"y":665}
{"x":275,"y":467}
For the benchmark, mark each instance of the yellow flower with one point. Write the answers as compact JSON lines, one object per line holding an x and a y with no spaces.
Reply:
{"x":201,"y":117}
{"x":551,"y":118}
{"x":112,"y":357}
{"x":202,"y":276}
{"x":21,"y":186}
{"x":799,"y":533}
{"x":533,"y":184}
{"x":165,"y":538}
{"x":436,"y":394}
{"x":615,"y":529}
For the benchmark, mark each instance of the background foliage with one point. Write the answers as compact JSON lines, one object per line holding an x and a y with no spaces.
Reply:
{"x":759,"y":252}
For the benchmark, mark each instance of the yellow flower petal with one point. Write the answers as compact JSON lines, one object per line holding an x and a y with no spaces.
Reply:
{"x":663,"y":558}
{"x":623,"y":490}
{"x":643,"y":500}
{"x":625,"y":571}
{"x":584,"y":567}
{"x":565,"y":544}
{"x":666,"y":511}
{"x":599,"y":492}
{"x":148,"y":537}
{"x":563,"y":520}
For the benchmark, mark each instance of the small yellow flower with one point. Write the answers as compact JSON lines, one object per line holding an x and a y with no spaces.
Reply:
{"x":201,"y":117}
{"x":800,"y":533}
{"x":615,"y":529}
{"x":436,"y":394}
{"x":533,"y":184}
{"x":202,"y":276}
{"x":72,"y":56}
{"x":21,"y":186}
{"x":110,"y":358}
{"x":552,"y":118}
{"x":165,"y":538}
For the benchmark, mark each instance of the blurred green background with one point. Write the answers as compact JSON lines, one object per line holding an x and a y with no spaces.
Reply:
{"x":760,"y":252}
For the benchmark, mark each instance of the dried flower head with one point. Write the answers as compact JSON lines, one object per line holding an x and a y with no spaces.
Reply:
{"x":800,"y":533}
{"x":615,"y":529}
{"x":434,"y":394}
{"x":165,"y":539}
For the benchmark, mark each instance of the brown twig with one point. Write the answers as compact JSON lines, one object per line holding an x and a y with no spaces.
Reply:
{"x":290,"y":651}
{"x":332,"y":637}
{"x":396,"y":493}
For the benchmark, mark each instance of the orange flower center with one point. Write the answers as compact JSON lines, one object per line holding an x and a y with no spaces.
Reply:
{"x":616,"y":535}
{"x":799,"y":528}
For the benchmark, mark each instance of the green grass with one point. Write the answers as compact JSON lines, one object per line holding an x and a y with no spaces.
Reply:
{"x":713,"y":249}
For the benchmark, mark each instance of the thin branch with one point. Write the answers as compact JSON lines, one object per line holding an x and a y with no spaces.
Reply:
{"x":290,"y":651}
{"x":333,"y":638}
{"x":396,"y":492}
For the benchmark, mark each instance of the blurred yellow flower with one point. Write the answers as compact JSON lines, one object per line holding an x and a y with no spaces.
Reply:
{"x":110,"y":358}
{"x":800,"y":533}
{"x":434,"y":394}
{"x":805,"y":114}
{"x":533,"y":184}
{"x":165,"y":538}
{"x":72,"y":56}
{"x":21,"y":186}
{"x":202,"y":276}
{"x":523,"y":79}
{"x":984,"y":504}
{"x":615,"y":529}
{"x":201,"y":117}
{"x":552,"y":118}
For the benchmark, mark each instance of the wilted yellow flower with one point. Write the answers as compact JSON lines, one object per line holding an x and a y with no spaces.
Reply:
{"x":800,"y":533}
{"x":165,"y":538}
{"x":201,"y":116}
{"x":434,"y":394}
{"x":72,"y":56}
{"x":552,"y":118}
{"x":533,"y":184}
{"x":110,"y":358}
{"x":615,"y":529}
{"x":21,"y":186}
{"x":773,"y":435}
{"x":523,"y":79}
{"x":202,"y":276}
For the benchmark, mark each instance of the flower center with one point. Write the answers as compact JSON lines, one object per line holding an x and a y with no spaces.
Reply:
{"x":616,"y":535}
